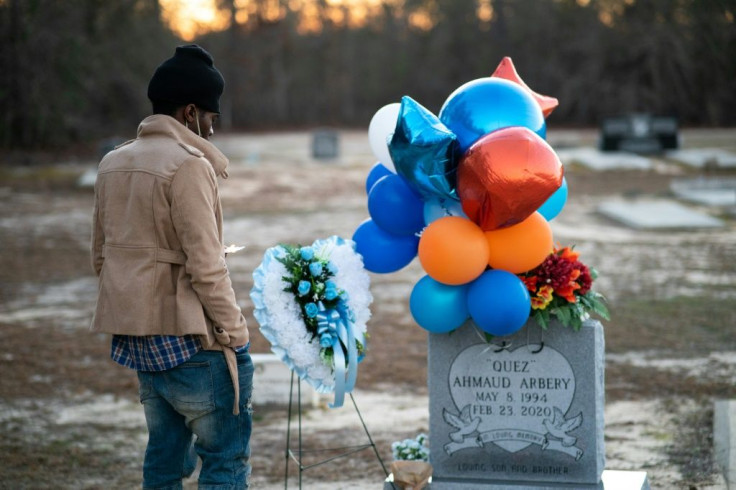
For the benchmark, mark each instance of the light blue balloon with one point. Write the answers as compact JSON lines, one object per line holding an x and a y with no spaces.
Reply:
{"x":487,"y":104}
{"x":395,"y":207}
{"x":440,"y":208}
{"x":554,"y":204}
{"x":499,"y":302}
{"x":377,"y":171}
{"x":437,"y":307}
{"x":383,"y":252}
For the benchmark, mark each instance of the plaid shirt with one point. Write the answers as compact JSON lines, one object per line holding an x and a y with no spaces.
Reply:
{"x":155,"y":352}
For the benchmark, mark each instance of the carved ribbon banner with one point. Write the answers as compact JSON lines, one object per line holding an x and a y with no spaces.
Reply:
{"x":492,"y":436}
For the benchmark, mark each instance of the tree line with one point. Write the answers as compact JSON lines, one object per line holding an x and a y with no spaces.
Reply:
{"x":74,"y":71}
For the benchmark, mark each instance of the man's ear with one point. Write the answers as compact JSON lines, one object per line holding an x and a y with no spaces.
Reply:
{"x":190,"y":112}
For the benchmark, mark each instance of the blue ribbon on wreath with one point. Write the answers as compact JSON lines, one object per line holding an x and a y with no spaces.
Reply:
{"x":335,"y":330}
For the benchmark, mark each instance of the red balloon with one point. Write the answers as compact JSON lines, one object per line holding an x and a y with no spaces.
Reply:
{"x":505,"y":176}
{"x":507,"y":70}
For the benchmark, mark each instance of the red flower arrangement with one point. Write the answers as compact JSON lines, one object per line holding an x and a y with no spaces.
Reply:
{"x":561,"y":287}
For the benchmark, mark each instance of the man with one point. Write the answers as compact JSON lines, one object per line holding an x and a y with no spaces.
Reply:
{"x":164,"y":289}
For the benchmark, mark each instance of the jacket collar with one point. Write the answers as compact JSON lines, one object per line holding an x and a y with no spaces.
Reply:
{"x":162,"y":125}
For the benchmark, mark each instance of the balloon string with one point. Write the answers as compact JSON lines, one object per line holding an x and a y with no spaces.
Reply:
{"x":504,"y":346}
{"x":528,"y":341}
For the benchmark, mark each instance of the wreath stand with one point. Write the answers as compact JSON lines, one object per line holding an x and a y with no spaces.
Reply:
{"x":297,"y":454}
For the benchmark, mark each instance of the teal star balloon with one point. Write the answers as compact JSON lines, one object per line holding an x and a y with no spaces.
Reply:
{"x":425,"y":152}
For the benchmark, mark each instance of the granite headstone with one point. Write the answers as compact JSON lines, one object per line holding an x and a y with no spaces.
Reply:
{"x":526,"y":408}
{"x":325,"y":144}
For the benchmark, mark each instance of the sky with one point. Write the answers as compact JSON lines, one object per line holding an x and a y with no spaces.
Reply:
{"x":187,"y":18}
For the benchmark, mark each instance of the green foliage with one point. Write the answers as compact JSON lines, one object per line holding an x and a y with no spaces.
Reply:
{"x":572,"y":314}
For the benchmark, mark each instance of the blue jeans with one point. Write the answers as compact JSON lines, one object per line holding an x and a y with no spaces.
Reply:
{"x":189,"y":412}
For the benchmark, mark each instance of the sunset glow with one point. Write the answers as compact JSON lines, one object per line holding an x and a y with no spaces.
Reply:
{"x":190,"y":18}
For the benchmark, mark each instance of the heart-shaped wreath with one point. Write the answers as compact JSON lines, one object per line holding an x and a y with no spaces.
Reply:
{"x":312,"y":304}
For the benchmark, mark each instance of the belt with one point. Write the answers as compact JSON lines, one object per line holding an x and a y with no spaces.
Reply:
{"x":162,"y":254}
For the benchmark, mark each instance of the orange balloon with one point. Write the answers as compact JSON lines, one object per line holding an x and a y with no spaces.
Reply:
{"x":453,"y":250}
{"x":520,"y":247}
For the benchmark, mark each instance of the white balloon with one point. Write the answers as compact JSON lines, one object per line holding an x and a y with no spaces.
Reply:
{"x":381,"y":130}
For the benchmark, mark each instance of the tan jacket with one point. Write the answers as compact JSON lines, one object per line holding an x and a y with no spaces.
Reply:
{"x":157,"y":242}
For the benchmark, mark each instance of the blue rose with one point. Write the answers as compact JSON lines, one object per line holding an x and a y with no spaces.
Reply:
{"x":330,"y":294}
{"x":304,"y":287}
{"x":325,"y":341}
{"x":315,"y":268}
{"x":306,"y":253}
{"x":332,"y":267}
{"x":330,"y":285}
{"x":311,"y":310}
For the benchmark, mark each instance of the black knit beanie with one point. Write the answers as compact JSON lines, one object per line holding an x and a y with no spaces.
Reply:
{"x":188,"y":77}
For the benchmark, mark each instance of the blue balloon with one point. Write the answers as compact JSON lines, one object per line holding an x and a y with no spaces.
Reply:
{"x":377,"y":171}
{"x":383,"y":252}
{"x":487,"y":104}
{"x":437,"y":307}
{"x":395,"y":207}
{"x":441,"y":208}
{"x":499,"y":302}
{"x":424,"y":151}
{"x":554,"y":204}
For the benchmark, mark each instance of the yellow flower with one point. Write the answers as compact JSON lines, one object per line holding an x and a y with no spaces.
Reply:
{"x":543,"y":297}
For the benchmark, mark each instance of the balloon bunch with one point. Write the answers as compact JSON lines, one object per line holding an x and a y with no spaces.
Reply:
{"x":471,"y":192}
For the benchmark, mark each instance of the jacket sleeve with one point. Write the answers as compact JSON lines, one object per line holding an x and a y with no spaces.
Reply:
{"x":98,"y":237}
{"x":194,"y":203}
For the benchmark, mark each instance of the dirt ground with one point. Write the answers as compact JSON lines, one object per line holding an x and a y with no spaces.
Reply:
{"x":70,"y":417}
